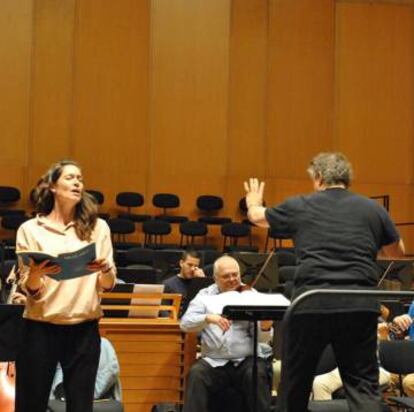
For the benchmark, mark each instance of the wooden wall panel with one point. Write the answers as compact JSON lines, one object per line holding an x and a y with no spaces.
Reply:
{"x":51,"y":85}
{"x":247,"y":98}
{"x":374,"y":89}
{"x":300,"y":84}
{"x":195,"y":96}
{"x":189,"y":97}
{"x":247,"y":88}
{"x":15,"y":57}
{"x":110,"y":123}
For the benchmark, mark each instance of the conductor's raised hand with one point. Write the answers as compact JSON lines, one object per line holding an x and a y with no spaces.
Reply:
{"x":254,"y":192}
{"x":40,"y":269}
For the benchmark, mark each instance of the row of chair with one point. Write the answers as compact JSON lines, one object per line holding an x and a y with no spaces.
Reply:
{"x":190,"y":231}
{"x":210,"y":205}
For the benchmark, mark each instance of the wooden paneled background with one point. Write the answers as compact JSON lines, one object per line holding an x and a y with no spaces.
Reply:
{"x":194,"y":96}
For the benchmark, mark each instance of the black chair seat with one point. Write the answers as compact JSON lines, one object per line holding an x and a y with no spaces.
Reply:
{"x":199,"y":248}
{"x":13,"y":221}
{"x":139,"y":256}
{"x":136,"y":218}
{"x":241,"y":248}
{"x":9,"y":212}
{"x":172,"y":219}
{"x":139,"y":274}
{"x":110,"y":405}
{"x":125,"y":245}
{"x":214,"y":220}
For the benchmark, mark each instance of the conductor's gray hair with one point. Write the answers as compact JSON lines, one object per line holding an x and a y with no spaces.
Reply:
{"x":331,"y":168}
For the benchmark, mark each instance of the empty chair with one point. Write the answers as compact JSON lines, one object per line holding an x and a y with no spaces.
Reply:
{"x":120,"y":228}
{"x":100,"y":199}
{"x":168,"y":201}
{"x":209,"y":256}
{"x":276,"y":238}
{"x":210,"y":205}
{"x":9,"y":195}
{"x":234,"y":232}
{"x":167,"y":261}
{"x":190,"y":231}
{"x":131,"y":200}
{"x":139,"y":256}
{"x":154,"y":232}
{"x":139,"y":274}
{"x":12,"y":223}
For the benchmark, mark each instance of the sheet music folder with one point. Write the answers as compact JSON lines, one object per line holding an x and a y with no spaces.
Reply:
{"x":263,"y":307}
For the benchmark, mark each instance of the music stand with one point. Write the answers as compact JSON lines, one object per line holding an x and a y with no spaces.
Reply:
{"x":254,"y":313}
{"x":400,"y":270}
{"x":250,"y":265}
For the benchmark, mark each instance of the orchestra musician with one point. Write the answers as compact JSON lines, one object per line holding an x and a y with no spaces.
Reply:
{"x":337,"y":235}
{"x":61,"y":317}
{"x":226,"y":348}
{"x":189,"y":269}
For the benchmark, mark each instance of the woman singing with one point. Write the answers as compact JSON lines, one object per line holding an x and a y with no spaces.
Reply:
{"x":61,"y":316}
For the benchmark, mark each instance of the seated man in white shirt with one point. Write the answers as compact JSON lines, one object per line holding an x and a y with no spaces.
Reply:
{"x":226,"y":347}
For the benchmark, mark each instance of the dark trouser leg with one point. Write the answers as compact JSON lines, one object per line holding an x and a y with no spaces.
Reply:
{"x":35,"y":367}
{"x":244,"y":381}
{"x":354,"y":338}
{"x":79,"y":364}
{"x":203,"y":383}
{"x":303,"y":343}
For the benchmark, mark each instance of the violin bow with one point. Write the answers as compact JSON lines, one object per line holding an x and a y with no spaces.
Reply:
{"x":266,"y":262}
{"x":386,"y":271}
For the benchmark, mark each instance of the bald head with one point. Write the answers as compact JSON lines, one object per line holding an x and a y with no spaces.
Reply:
{"x":227,"y":273}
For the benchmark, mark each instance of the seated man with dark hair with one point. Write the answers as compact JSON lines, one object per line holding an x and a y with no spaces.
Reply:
{"x":226,"y":348}
{"x":189,"y":269}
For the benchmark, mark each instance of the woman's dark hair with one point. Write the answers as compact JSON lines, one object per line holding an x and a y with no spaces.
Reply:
{"x":86,"y":211}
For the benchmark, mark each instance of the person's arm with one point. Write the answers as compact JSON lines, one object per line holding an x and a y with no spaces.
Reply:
{"x":403,"y":322}
{"x":31,"y":280}
{"x":393,"y":250}
{"x":196,"y":318}
{"x":254,"y":202}
{"x":105,"y":263}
